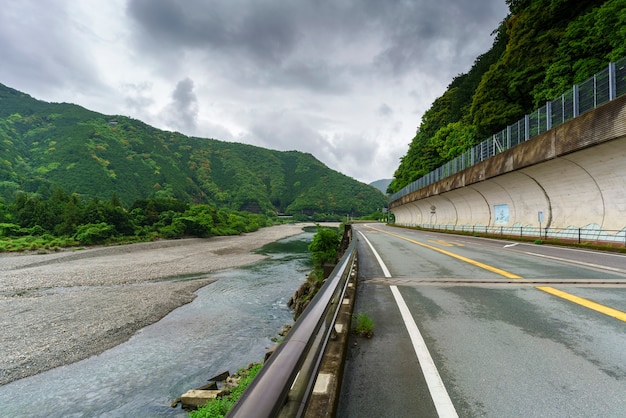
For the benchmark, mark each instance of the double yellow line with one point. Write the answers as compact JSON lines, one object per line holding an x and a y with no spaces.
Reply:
{"x":559,"y":293}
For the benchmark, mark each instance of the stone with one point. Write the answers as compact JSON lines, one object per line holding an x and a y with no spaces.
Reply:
{"x":196,"y":397}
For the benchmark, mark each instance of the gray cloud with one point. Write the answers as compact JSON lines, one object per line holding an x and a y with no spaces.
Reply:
{"x":385,"y":110}
{"x":181,"y":113}
{"x":344,"y":80}
{"x":44,"y":50}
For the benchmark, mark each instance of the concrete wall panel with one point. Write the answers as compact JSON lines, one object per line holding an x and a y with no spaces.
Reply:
{"x":527,"y":197}
{"x":606,"y":165}
{"x":471,"y":206}
{"x":575,"y":199}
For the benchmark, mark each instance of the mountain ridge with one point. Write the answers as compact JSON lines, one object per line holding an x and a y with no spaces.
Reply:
{"x":46,"y":145}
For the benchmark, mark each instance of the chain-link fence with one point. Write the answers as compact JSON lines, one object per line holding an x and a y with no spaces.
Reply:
{"x":604,"y":86}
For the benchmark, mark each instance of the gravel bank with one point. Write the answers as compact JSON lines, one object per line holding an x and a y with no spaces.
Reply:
{"x":59,"y":308}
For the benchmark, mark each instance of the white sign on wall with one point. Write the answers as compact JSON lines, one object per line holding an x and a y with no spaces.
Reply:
{"x":502,"y":214}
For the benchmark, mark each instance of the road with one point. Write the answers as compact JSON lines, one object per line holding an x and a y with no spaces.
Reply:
{"x":475,"y":327}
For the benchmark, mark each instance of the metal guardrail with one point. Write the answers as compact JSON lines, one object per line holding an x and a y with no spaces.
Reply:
{"x":603,"y":87}
{"x":572,"y":234}
{"x":284,"y":384}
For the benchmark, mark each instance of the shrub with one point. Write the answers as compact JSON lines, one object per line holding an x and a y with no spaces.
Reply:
{"x":89,"y":234}
{"x":324,"y":246}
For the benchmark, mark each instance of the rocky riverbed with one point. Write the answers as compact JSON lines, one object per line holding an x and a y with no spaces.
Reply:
{"x":65,"y":306}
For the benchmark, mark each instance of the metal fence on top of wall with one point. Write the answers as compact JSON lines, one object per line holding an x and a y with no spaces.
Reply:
{"x":604,"y":86}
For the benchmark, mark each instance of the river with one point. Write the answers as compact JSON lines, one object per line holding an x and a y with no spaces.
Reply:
{"x":229,"y":325}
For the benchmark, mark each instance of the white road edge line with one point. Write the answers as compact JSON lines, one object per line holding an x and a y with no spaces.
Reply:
{"x":438,"y":392}
{"x":380,"y":260}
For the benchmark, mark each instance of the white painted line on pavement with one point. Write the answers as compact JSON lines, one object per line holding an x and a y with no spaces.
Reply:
{"x":437,"y":389}
{"x":438,"y":392}
{"x":380,"y":260}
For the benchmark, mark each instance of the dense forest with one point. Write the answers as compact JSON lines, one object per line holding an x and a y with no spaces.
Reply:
{"x":539,"y":51}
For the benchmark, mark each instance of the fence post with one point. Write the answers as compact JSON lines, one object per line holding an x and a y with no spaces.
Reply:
{"x":575,"y":100}
{"x":579,"y":235}
{"x":548,"y":115}
{"x":612,"y":82}
{"x":508,"y":137}
{"x":595,"y":91}
{"x":526,"y":127}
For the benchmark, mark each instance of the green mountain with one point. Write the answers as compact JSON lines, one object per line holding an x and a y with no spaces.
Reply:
{"x":381,"y":184}
{"x":540,"y":50}
{"x":48,"y":145}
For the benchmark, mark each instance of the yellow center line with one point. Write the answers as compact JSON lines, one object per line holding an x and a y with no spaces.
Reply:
{"x":585,"y":302}
{"x":458,"y":257}
{"x":559,"y":293}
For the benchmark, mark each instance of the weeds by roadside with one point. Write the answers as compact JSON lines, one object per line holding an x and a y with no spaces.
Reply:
{"x":363,"y":325}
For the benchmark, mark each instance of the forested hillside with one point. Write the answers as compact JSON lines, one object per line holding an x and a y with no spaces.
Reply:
{"x":49,"y":146}
{"x":540,"y":50}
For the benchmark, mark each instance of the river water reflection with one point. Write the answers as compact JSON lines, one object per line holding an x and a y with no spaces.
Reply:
{"x":229,"y":325}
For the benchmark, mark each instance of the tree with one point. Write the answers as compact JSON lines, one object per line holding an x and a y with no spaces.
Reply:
{"x":324,"y":246}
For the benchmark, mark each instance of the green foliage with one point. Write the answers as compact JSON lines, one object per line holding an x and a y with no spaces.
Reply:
{"x":363,"y":325}
{"x":219,"y":407}
{"x":324,"y":246}
{"x":90,"y":234}
{"x":454,"y":139}
{"x":540,"y":50}
{"x":63,"y":220}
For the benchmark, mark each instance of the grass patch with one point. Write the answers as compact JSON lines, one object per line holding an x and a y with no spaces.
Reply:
{"x":363,"y":325}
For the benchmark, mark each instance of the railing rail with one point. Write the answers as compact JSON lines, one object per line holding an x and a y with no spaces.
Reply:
{"x":604,"y":86}
{"x":571,"y":234}
{"x":285,"y":382}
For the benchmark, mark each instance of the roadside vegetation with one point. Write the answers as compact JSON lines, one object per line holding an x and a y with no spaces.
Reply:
{"x":219,"y":407}
{"x":363,"y":325}
{"x":324,"y":249}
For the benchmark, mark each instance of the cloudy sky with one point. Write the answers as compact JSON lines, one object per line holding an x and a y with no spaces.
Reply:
{"x":345,"y":80}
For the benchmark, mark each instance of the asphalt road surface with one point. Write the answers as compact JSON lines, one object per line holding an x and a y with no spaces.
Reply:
{"x":475,"y":327}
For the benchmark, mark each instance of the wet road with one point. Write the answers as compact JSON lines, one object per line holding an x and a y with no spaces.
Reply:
{"x":472,"y":327}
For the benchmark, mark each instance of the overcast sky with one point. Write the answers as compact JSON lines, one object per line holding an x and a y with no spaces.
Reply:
{"x":345,"y":80}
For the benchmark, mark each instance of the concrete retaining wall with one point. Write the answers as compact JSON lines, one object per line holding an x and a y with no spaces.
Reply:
{"x":575,"y":175}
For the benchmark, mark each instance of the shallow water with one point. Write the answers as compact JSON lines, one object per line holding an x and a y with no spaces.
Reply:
{"x":229,"y":325}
